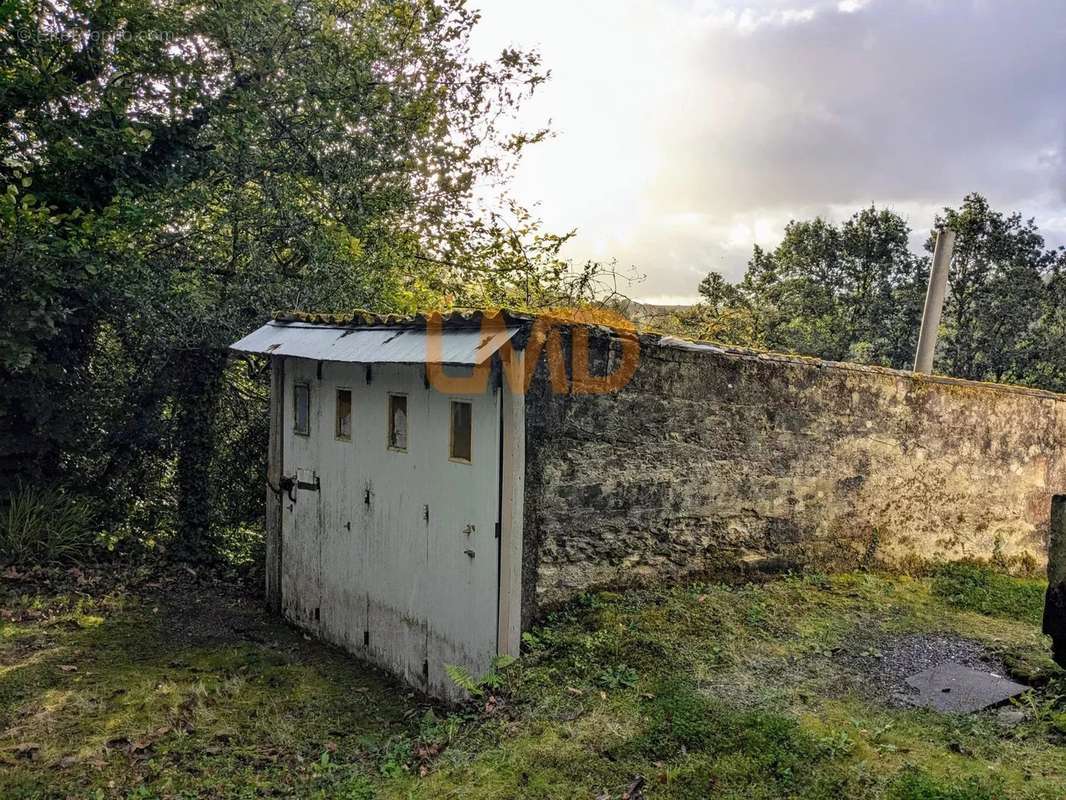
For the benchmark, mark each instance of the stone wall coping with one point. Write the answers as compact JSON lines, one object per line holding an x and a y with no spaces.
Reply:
{"x":744,"y":353}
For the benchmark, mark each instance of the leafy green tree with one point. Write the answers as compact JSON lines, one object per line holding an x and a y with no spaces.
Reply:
{"x":1043,"y":349}
{"x":849,"y":292}
{"x":855,"y":292}
{"x":174,"y":171}
{"x":996,"y":286}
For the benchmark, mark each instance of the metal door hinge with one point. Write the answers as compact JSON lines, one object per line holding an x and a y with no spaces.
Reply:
{"x":497,"y":529}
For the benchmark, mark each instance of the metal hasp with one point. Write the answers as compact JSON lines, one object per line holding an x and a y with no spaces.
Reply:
{"x":1055,"y":600}
{"x":934,"y":300}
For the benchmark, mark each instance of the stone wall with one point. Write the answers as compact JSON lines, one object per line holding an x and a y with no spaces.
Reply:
{"x":714,"y":459}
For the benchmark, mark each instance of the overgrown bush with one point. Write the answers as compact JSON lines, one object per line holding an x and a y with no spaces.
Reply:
{"x":977,"y":587}
{"x":44,"y":525}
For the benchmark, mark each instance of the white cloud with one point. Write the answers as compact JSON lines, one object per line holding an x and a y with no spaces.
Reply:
{"x":689,"y":130}
{"x":851,"y":6}
{"x":748,"y":20}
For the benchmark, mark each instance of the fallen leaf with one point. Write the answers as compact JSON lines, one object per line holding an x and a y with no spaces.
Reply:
{"x":68,"y":668}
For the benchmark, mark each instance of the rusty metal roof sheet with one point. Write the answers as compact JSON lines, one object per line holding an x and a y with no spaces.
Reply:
{"x":375,"y":344}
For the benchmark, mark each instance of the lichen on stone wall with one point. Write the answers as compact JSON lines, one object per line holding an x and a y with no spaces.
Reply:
{"x":709,"y":461}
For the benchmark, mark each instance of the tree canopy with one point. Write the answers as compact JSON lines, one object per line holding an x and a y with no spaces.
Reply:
{"x":855,"y":292}
{"x":174,"y":171}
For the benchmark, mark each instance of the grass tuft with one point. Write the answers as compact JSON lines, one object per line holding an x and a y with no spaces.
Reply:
{"x":915,"y":784}
{"x":43,"y":526}
{"x":976,"y":587}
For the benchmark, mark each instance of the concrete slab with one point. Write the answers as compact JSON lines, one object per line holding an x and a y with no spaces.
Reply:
{"x":956,"y":689}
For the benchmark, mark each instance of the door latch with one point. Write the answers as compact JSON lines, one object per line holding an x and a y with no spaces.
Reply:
{"x":312,"y":485}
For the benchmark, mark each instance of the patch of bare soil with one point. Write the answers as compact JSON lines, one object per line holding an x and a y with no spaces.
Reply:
{"x":879,"y":666}
{"x":198,"y":606}
{"x":202,"y":610}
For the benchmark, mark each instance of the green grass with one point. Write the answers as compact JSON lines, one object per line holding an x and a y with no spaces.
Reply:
{"x":979,"y":588}
{"x":184,"y":689}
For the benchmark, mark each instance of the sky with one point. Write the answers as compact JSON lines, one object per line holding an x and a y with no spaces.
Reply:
{"x":688,"y":130}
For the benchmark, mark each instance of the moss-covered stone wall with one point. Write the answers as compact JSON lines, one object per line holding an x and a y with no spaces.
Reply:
{"x":712,"y":460}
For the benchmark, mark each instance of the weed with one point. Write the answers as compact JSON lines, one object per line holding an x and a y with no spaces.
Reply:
{"x":434,"y":730}
{"x":617,"y":676}
{"x":38,"y":525}
{"x":476,"y":687}
{"x":397,"y":757}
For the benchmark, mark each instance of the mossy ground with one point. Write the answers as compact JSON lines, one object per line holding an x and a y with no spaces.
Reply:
{"x":168,"y":685}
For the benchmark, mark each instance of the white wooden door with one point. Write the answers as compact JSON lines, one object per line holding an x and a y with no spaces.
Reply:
{"x":301,"y":509}
{"x":396,"y":557}
{"x":346,"y":516}
{"x":463,"y":580}
{"x":432,"y":560}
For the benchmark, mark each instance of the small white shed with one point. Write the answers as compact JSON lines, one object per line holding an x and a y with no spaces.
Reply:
{"x":394,"y":513}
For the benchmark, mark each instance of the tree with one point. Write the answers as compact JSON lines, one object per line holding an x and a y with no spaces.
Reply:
{"x":996,"y":284}
{"x":1042,"y":360}
{"x":186,"y":168}
{"x":856,"y":293}
{"x":849,"y":292}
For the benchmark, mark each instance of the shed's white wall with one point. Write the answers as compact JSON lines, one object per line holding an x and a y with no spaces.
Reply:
{"x":396,"y":567}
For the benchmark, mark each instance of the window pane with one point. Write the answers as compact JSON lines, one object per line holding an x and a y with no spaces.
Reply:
{"x":302,"y":409}
{"x":398,"y":421}
{"x":344,"y":414}
{"x":461,"y":433}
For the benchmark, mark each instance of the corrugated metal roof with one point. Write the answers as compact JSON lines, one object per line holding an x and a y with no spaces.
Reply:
{"x":455,"y":317}
{"x":372,"y":345}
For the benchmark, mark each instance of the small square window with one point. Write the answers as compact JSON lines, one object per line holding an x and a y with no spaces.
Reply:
{"x":398,"y":422}
{"x":343,"y":428}
{"x":301,"y":396}
{"x":461,"y":440}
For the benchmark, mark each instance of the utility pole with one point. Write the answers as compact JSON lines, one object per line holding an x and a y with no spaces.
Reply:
{"x":934,"y":300}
